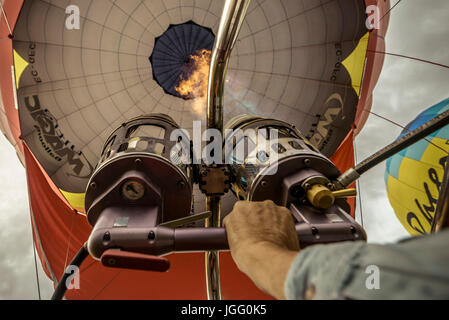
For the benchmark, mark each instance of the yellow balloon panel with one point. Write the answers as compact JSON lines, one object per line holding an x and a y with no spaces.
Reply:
{"x":414,"y":173}
{"x":414,"y":205}
{"x":433,"y":153}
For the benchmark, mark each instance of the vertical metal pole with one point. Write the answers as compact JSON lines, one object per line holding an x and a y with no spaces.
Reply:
{"x":212,"y":262}
{"x":230,"y":23}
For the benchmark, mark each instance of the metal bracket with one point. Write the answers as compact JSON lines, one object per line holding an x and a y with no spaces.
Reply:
{"x":186,"y":220}
{"x":214,"y":181}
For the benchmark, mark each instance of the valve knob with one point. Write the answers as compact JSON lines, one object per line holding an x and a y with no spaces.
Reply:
{"x":322,"y":198}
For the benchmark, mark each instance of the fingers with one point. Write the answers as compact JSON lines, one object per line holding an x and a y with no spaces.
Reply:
{"x":258,"y":231}
{"x":253,"y":222}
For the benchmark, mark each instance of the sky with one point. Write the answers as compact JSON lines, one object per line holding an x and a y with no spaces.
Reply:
{"x":405,"y":88}
{"x":417,"y":28}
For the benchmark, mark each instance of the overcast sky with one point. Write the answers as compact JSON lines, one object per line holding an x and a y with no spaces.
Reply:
{"x":417,"y":28}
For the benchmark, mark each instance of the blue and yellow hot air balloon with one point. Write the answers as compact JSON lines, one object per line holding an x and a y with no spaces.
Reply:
{"x":413,"y":176}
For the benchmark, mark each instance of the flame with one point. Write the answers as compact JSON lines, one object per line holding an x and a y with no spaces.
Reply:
{"x":195,"y":86}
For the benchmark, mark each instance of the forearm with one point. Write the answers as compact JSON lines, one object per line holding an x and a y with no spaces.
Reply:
{"x":267,"y":265}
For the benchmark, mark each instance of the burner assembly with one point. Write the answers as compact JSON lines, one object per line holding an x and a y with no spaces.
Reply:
{"x":139,"y":198}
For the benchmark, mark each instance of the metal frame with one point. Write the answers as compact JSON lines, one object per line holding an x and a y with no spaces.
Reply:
{"x":230,"y":23}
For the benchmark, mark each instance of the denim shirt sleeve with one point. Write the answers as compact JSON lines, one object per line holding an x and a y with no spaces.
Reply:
{"x":415,"y":269}
{"x":324,"y":267}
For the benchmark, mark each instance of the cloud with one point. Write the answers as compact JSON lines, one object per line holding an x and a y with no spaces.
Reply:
{"x":17,"y":269}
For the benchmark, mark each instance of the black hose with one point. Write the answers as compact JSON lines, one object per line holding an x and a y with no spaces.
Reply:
{"x":77,"y":261}
{"x":351,"y":175}
{"x":407,"y":140}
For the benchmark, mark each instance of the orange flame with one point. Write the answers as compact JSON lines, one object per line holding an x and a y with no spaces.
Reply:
{"x":195,"y":86}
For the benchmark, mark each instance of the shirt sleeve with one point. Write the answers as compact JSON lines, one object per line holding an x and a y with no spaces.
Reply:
{"x":321,"y":269}
{"x":415,"y":269}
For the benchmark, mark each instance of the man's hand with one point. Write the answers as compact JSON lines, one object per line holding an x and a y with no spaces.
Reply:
{"x":263,"y":243}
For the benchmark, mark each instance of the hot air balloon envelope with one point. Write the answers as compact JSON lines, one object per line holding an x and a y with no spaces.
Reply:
{"x":310,"y":63}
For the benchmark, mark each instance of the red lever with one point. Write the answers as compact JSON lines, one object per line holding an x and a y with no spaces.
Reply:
{"x":131,"y":260}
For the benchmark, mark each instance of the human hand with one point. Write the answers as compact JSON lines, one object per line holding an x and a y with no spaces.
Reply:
{"x":263,"y":243}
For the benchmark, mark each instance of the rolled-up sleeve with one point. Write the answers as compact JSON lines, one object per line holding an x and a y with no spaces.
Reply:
{"x":322,"y":269}
{"x":415,"y":269}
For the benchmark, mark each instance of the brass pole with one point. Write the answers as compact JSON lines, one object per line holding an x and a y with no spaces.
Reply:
{"x":212,"y":257}
{"x":230,"y":23}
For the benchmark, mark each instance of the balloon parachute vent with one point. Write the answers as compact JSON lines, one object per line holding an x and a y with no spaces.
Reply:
{"x":180,"y":59}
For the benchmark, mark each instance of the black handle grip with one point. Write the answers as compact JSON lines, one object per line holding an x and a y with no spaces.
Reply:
{"x":313,"y":227}
{"x":200,"y":239}
{"x":209,"y":239}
